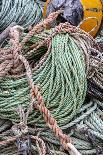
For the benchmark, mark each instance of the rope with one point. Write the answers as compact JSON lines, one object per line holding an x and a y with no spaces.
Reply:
{"x":95,"y":85}
{"x":34,"y":90}
{"x":64,"y":140}
{"x":35,"y":93}
{"x":87,"y":124}
{"x":61,"y":74}
{"x":23,"y":12}
{"x":53,"y":96}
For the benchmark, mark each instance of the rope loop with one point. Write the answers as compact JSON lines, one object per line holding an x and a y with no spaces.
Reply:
{"x":20,"y":129}
{"x":82,"y":49}
{"x":64,"y":139}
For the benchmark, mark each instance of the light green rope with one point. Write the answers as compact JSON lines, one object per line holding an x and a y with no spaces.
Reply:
{"x":62,"y":80}
{"x":23,"y":12}
{"x":89,"y":116}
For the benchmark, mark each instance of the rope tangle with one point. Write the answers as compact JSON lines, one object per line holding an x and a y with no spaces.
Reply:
{"x":22,"y":129}
{"x":15,"y":60}
{"x":24,"y":13}
{"x":40,"y":102}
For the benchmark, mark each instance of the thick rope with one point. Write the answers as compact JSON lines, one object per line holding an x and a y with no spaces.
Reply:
{"x":66,"y":34}
{"x":23,"y":12}
{"x":86,"y":132}
{"x":40,"y":102}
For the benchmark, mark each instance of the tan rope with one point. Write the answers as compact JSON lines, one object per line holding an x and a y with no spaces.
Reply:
{"x":35,"y":93}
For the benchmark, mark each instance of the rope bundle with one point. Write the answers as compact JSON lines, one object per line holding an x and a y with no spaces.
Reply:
{"x":23,"y":12}
{"x":85,"y":130}
{"x":95,"y":84}
{"x":60,"y":74}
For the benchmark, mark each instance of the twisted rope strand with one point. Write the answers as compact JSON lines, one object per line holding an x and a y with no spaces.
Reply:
{"x":34,"y":91}
{"x":62,"y":78}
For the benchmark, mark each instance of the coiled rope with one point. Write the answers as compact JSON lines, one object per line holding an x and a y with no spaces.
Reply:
{"x":95,"y":85}
{"x":85,"y":130}
{"x":49,"y":77}
{"x":71,"y":38}
{"x":21,"y":129}
{"x":23,"y":12}
{"x":57,"y":74}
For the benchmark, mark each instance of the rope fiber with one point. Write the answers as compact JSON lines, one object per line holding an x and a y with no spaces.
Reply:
{"x":23,"y":12}
{"x":43,"y":78}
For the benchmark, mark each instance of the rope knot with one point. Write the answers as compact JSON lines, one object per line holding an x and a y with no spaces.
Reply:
{"x":20,"y":129}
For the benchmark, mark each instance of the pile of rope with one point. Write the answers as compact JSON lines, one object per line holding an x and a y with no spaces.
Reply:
{"x":23,"y":12}
{"x":86,"y":131}
{"x":61,"y":60}
{"x":95,"y":85}
{"x":99,"y":38}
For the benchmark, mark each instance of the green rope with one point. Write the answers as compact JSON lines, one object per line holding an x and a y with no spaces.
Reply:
{"x":23,"y":12}
{"x":62,"y":80}
{"x":90,"y":117}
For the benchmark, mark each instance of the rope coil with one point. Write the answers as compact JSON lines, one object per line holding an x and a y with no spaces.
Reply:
{"x":23,"y":12}
{"x":67,"y":68}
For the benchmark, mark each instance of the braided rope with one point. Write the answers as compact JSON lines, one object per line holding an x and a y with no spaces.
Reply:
{"x":39,"y":102}
{"x":35,"y":92}
{"x":84,"y":123}
{"x":23,"y":12}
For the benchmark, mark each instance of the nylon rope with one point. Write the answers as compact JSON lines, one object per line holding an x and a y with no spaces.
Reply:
{"x":59,"y":80}
{"x":23,"y":12}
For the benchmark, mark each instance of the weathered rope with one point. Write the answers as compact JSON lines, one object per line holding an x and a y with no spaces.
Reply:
{"x":7,"y":59}
{"x":95,"y":85}
{"x":58,"y":59}
{"x":64,"y":140}
{"x":23,"y":12}
{"x":35,"y":93}
{"x":31,"y":33}
{"x":85,"y":130}
{"x":57,"y":98}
